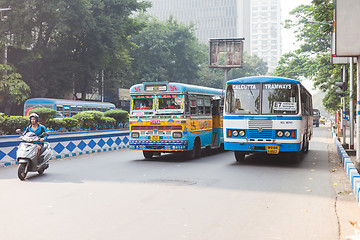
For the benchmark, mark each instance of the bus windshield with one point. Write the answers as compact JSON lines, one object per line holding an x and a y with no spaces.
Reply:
{"x":143,"y":103}
{"x":169,"y":103}
{"x":280,"y":98}
{"x":244,"y":99}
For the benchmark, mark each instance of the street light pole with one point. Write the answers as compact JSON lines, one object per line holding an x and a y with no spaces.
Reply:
{"x":3,"y":18}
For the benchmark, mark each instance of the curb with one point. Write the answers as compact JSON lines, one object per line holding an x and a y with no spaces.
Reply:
{"x":351,"y":171}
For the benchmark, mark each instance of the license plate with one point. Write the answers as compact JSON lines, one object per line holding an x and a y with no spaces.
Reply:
{"x":272,"y":149}
{"x":154,"y":137}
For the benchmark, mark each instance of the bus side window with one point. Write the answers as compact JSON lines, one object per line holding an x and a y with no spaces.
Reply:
{"x":207,"y":104}
{"x":200,"y":103}
{"x":193,"y":108}
{"x":187,"y":104}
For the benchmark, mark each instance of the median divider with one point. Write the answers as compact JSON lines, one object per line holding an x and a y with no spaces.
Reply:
{"x":351,"y":171}
{"x":69,"y":144}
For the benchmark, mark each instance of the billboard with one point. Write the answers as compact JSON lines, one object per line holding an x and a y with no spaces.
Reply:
{"x":347,"y":21}
{"x":226,"y":52}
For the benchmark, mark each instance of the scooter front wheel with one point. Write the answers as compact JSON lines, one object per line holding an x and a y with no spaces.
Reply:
{"x":22,"y":171}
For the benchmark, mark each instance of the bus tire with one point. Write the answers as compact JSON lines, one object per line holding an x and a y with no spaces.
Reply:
{"x":239,"y":156}
{"x":148,"y":154}
{"x":306,"y":145}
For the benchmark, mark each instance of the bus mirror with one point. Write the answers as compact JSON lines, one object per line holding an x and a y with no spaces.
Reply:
{"x":216,"y":98}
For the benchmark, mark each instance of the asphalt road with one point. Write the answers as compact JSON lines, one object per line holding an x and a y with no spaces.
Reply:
{"x":119,"y":195}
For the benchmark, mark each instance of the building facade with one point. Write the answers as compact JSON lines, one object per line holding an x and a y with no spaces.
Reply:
{"x":266,"y":31}
{"x":258,"y":21}
{"x":212,"y":18}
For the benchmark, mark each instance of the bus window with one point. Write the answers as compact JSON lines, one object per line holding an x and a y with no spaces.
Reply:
{"x":207,"y":103}
{"x":280,"y":98}
{"x":170,"y":102}
{"x":79,"y":109}
{"x":193,"y":109}
{"x":73,"y":110}
{"x":142,"y":104}
{"x":200,"y":103}
{"x":243,"y":99}
{"x":66,"y":111}
{"x":59,"y":108}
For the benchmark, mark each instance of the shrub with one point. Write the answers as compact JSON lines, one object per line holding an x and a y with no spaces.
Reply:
{"x":44,"y":114}
{"x":70,"y":122}
{"x":107,"y":122}
{"x":54,"y":123}
{"x":11,"y":123}
{"x":118,"y":115}
{"x":89,"y":119}
{"x":2,"y":117}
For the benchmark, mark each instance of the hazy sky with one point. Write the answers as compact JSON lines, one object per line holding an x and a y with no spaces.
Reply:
{"x":288,"y":37}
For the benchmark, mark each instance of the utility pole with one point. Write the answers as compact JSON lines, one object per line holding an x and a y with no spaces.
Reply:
{"x":3,"y":18}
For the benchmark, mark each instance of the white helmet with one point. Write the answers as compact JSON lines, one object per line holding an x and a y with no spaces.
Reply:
{"x":35,"y":116}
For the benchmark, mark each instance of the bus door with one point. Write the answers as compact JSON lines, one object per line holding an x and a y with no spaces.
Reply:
{"x":216,"y":122}
{"x":66,"y":110}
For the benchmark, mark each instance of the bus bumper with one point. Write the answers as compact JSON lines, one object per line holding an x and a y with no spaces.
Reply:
{"x":168,"y":145}
{"x":261,"y":147}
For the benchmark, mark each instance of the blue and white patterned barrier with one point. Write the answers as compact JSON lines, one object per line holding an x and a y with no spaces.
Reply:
{"x":69,"y":144}
{"x":349,"y":167}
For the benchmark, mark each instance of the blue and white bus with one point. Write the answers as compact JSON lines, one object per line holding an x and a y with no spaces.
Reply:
{"x":267,"y":114}
{"x":66,"y":108}
{"x":168,"y":117}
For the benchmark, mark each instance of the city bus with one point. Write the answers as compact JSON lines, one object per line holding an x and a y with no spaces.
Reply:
{"x":267,"y":114}
{"x":66,"y":108}
{"x":167,"y":117}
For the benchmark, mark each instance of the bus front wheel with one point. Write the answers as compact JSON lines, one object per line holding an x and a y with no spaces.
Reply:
{"x":148,"y":154}
{"x":239,"y":156}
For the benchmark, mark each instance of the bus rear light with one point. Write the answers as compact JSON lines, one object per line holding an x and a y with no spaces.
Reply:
{"x":235,"y":133}
{"x":280,"y":133}
{"x":293,"y":134}
{"x":229,"y":133}
{"x":287,"y":134}
{"x":242,"y":133}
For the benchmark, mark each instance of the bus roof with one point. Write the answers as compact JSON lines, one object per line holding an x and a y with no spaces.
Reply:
{"x":263,"y":79}
{"x":174,"y":87}
{"x":66,"y":102}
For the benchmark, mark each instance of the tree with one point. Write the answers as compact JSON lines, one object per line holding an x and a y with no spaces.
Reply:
{"x":165,"y":51}
{"x":12,"y":89}
{"x":313,"y":28}
{"x":61,"y":45}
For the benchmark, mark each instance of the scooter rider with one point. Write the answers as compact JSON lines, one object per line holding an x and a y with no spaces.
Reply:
{"x":38,"y":129}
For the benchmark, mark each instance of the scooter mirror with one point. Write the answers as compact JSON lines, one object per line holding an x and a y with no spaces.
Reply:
{"x":18,"y":131}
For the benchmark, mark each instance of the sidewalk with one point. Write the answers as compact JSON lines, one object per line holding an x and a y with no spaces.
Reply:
{"x":348,"y":157}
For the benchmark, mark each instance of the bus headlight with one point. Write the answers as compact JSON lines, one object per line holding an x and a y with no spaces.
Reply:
{"x":242,"y":133}
{"x":135,"y":134}
{"x":177,"y":135}
{"x":280,"y":133}
{"x":235,"y":133}
{"x":287,"y":134}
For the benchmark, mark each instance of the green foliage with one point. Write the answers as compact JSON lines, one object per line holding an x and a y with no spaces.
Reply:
{"x":89,"y":119}
{"x":55,"y":123}
{"x":118,"y":115}
{"x":13,"y":90}
{"x":165,"y":51}
{"x":44,"y":114}
{"x":69,"y":123}
{"x":11,"y":123}
{"x":107,"y":122}
{"x":69,"y":43}
{"x":2,"y":117}
{"x":311,"y":60}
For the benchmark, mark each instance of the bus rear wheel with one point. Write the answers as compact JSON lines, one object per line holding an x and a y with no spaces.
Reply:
{"x":239,"y":156}
{"x":148,"y":154}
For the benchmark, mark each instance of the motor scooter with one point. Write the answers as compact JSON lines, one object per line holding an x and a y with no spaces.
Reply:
{"x":26,"y":155}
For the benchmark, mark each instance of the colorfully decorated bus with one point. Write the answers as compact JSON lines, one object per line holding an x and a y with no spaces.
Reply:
{"x":267,"y":114}
{"x":64,"y":107}
{"x":170,"y":117}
